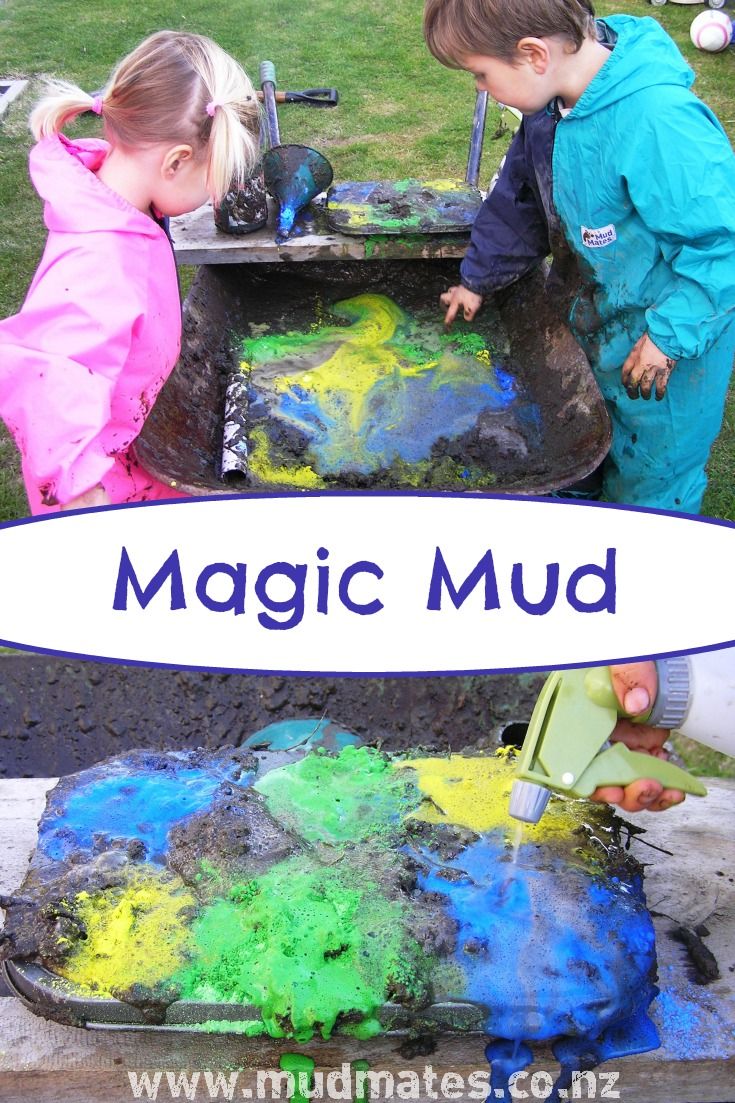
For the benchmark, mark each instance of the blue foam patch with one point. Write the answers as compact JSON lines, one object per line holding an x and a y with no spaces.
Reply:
{"x":132,"y":804}
{"x":547,"y":951}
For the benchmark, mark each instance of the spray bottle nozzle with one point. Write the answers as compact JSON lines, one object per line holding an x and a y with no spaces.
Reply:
{"x":528,"y":801}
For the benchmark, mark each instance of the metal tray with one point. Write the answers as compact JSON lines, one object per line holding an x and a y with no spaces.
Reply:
{"x":52,"y":996}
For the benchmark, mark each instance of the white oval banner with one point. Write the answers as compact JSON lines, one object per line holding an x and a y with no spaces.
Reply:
{"x":367,"y":583}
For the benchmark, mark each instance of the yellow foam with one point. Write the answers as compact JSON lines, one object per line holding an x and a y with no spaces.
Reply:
{"x":445,"y":185}
{"x":474,"y":792}
{"x":358,"y":213}
{"x":263,"y":468}
{"x":136,"y":933}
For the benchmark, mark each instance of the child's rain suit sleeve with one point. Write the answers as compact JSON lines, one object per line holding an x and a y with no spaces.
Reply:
{"x":60,"y":360}
{"x":510,"y":235}
{"x":690,"y":206}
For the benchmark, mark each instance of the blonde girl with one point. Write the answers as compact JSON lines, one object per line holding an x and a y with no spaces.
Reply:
{"x":99,"y":332}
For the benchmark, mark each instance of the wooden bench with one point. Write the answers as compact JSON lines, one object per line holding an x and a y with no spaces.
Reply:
{"x":48,"y":1063}
{"x":198,"y":241}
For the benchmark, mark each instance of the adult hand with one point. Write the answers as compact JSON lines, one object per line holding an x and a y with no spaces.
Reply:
{"x":635,"y":686}
{"x":646,"y":365}
{"x":457,"y":297}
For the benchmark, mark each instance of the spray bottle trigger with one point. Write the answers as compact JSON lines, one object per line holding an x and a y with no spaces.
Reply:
{"x":617,"y":765}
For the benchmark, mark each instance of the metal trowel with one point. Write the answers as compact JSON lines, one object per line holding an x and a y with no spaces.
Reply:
{"x":567,"y":746}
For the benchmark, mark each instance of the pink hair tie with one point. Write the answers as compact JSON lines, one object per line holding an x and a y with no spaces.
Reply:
{"x":212,"y":107}
{"x":97,"y":104}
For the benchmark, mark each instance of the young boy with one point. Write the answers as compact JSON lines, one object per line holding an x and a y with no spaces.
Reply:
{"x":618,"y":161}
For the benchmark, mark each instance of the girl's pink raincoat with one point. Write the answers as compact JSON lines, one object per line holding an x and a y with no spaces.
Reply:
{"x":96,"y":338}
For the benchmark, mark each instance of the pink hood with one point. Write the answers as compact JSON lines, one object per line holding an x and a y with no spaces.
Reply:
{"x":76,"y":201}
{"x":96,"y":338}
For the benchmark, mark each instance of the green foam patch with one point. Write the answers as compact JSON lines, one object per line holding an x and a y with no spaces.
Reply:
{"x":306,"y":945}
{"x":346,"y":799}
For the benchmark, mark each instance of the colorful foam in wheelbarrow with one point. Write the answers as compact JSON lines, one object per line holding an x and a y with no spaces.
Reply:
{"x":388,"y":396}
{"x":351,"y":382}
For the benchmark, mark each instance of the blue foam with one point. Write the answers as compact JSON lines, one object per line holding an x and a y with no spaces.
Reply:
{"x":133,"y":804}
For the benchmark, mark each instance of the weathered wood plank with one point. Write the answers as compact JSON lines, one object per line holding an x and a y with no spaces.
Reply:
{"x":694,"y":884}
{"x":198,"y":241}
{"x":34,"y":1044}
{"x":697,"y":883}
{"x":21,"y":805}
{"x":703,"y":1082}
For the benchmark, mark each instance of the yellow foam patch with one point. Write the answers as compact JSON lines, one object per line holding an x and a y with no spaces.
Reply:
{"x":445,"y":185}
{"x":359,"y":215}
{"x":136,"y":933}
{"x":475,"y":792}
{"x":263,"y":468}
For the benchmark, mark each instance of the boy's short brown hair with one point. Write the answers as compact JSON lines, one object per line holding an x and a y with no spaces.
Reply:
{"x":494,"y":28}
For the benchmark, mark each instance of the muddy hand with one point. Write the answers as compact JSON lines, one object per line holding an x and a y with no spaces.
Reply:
{"x":645,"y":794}
{"x":635,"y":686}
{"x":457,"y":297}
{"x":646,"y":367}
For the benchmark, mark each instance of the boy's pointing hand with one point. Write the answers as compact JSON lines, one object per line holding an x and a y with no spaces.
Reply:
{"x":457,"y":297}
{"x":645,"y":367}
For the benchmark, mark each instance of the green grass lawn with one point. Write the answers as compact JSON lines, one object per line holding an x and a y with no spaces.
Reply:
{"x":400,"y":114}
{"x":703,"y":761}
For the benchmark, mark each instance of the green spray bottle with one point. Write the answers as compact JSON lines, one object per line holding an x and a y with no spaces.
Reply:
{"x":567,"y":750}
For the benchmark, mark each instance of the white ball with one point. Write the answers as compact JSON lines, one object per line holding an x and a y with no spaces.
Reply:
{"x":711,"y":31}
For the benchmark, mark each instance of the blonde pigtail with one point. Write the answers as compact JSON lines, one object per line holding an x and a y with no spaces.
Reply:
{"x":234,"y":147}
{"x":233,"y":138}
{"x":63,"y":102}
{"x":174,"y":87}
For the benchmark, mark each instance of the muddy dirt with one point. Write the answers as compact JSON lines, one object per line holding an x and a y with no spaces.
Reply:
{"x":241,"y":212}
{"x":402,"y":207}
{"x":59,"y":716}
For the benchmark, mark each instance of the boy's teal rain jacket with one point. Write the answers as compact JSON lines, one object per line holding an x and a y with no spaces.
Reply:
{"x":639,"y":180}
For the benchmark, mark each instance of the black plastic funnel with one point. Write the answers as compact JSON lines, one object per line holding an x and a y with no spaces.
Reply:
{"x":293,"y":174}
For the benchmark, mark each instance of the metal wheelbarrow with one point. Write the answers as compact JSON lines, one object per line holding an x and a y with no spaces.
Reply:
{"x":556,"y":434}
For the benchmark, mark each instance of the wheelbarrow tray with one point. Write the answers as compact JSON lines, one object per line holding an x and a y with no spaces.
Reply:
{"x":181,"y":443}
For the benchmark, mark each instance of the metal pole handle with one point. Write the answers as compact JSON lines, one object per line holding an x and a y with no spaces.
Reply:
{"x":268,"y":84}
{"x":472,"y":176}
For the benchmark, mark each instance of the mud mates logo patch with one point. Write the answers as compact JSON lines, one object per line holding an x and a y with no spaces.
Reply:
{"x":598,"y":239}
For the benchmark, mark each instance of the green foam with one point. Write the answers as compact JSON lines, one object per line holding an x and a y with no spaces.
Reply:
{"x":305,"y":944}
{"x":348,"y":798}
{"x":301,"y":1068}
{"x":251,"y":1028}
